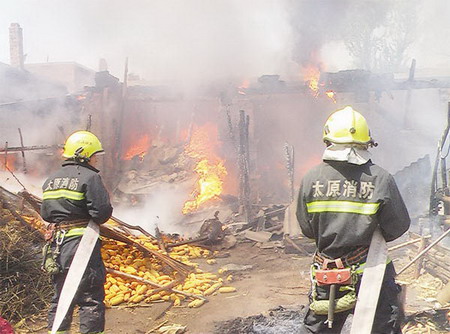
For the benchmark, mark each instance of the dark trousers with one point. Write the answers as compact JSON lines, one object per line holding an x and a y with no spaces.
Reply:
{"x":388,"y":314}
{"x":90,"y":293}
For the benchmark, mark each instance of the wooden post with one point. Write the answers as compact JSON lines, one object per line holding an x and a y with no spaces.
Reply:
{"x":244,"y":157}
{"x":6,"y":155}
{"x":412,"y":70}
{"x":419,"y":265}
{"x":23,"y":152}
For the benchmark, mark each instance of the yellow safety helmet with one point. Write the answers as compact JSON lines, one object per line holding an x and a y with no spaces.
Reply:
{"x":82,"y":145}
{"x":347,"y":126}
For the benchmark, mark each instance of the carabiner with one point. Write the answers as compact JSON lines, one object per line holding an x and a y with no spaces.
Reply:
{"x":60,"y":237}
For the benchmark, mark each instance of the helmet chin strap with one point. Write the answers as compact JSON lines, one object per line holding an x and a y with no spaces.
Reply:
{"x":79,"y":157}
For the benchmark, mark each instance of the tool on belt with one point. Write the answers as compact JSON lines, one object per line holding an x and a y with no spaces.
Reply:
{"x":56,"y":233}
{"x":49,"y":255}
{"x":339,"y":274}
{"x":333,"y":277}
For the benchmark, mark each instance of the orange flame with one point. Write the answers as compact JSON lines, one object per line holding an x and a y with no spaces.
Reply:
{"x":210,"y":169}
{"x":311,"y":74}
{"x":10,"y":162}
{"x":245,"y":84}
{"x":331,"y":95}
{"x":138,"y":149}
{"x":210,"y":184}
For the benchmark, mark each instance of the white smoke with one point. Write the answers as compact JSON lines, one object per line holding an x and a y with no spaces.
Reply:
{"x":165,"y":41}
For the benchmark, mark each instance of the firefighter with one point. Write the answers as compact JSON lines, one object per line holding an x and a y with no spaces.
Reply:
{"x":340,"y":204}
{"x":72,"y":196}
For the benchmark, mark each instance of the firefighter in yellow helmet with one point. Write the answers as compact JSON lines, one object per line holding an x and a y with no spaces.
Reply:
{"x":72,"y":196}
{"x":340,"y":204}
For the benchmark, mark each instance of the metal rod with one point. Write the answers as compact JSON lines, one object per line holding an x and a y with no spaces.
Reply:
{"x":331,"y":305}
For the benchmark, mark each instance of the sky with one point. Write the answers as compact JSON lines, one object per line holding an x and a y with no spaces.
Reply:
{"x":176,"y":40}
{"x":163,"y":40}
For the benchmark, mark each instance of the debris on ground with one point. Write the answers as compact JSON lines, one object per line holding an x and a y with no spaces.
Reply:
{"x":428,"y":321}
{"x":278,"y":321}
{"x":25,"y":290}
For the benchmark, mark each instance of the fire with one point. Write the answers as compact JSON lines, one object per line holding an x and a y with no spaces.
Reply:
{"x":312,"y":75}
{"x":210,"y":184}
{"x":244,"y":85}
{"x":8,"y":163}
{"x":210,"y":169}
{"x":138,"y":149}
{"x":331,"y":95}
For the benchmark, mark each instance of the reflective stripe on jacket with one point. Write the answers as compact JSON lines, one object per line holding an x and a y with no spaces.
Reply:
{"x":75,"y":192}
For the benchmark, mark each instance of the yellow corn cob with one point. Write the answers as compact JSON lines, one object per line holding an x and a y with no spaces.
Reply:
{"x":137,"y":298}
{"x":196,"y":303}
{"x":114,"y":288}
{"x":209,"y":291}
{"x":226,"y":289}
{"x":112,"y":280}
{"x":109,"y":296}
{"x":164,"y":278}
{"x":154,"y":297}
{"x":141,"y":290}
{"x":130,"y":270}
{"x":116,"y":300}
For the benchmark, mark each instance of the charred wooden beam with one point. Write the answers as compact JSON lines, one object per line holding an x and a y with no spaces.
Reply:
{"x":5,"y":150}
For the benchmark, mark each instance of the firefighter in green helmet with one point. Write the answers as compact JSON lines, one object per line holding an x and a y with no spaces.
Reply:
{"x":340,"y":204}
{"x":73,"y":196}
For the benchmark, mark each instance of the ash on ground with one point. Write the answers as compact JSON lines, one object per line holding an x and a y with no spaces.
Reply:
{"x":278,"y":321}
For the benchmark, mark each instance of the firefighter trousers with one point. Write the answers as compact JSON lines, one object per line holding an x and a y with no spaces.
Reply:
{"x":388,"y":314}
{"x":90,"y":293}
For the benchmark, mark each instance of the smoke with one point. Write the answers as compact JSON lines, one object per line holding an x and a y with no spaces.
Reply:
{"x":165,"y":41}
{"x":32,"y":184}
{"x":315,"y":24}
{"x":162,"y":209}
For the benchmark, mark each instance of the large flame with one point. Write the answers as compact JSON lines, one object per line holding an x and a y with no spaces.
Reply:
{"x":139,"y":148}
{"x":210,"y":168}
{"x":311,"y":75}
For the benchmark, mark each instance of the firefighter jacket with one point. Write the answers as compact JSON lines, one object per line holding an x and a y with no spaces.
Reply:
{"x":75,"y":192}
{"x":340,"y":205}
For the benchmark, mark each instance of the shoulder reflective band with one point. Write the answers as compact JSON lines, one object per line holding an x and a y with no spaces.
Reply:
{"x":343,"y":206}
{"x":63,"y":193}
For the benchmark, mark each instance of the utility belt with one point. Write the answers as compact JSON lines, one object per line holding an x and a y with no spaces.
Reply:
{"x":56,"y":233}
{"x":341,"y":273}
{"x":355,"y":257}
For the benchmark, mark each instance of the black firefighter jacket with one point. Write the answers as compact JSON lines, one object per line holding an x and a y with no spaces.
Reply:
{"x":340,"y":205}
{"x":75,"y":192}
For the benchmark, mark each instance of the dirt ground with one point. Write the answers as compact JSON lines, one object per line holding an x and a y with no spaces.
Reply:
{"x":274,"y":279}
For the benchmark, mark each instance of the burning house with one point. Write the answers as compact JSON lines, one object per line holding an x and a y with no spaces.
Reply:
{"x":223,"y":159}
